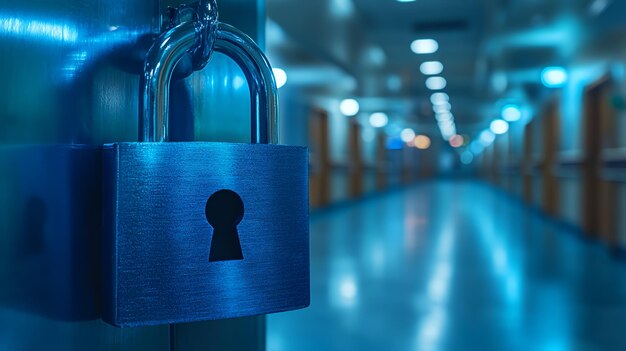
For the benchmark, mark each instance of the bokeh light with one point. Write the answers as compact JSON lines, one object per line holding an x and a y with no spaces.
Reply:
{"x":379,"y":119}
{"x":349,"y":107}
{"x":281,"y":77}
{"x":422,"y":142}
{"x":424,"y":46}
{"x":499,"y":127}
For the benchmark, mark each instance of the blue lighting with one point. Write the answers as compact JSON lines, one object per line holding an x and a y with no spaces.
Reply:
{"x":22,"y":27}
{"x":395,"y":144}
{"x":467,"y":157}
{"x":511,"y":113}
{"x":487,"y":138}
{"x":554,"y":77}
{"x":499,"y":127}
{"x":477,"y":147}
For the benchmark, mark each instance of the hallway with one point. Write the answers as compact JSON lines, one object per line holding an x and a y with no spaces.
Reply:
{"x":453,"y":266}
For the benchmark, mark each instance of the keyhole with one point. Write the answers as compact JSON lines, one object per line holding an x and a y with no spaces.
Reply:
{"x":224,"y":211}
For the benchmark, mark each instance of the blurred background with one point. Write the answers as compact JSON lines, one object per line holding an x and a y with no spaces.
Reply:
{"x":467,"y":168}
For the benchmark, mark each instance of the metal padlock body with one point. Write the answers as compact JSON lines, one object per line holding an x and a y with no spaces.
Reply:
{"x":156,"y":263}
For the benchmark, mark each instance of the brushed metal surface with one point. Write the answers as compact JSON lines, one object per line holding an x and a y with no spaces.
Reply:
{"x":156,"y":266}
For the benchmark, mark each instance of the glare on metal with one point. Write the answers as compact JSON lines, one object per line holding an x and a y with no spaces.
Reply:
{"x":35,"y":29}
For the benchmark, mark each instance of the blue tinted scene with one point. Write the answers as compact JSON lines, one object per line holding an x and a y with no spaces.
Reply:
{"x":286,"y":175}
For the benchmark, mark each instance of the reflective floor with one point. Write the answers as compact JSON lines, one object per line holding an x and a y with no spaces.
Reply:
{"x":453,"y":266}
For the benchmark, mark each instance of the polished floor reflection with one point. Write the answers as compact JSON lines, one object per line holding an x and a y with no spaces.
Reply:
{"x":453,"y":266}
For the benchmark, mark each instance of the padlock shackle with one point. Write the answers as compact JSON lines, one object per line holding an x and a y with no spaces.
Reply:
{"x":161,"y":60}
{"x":183,"y":39}
{"x":263,"y":91}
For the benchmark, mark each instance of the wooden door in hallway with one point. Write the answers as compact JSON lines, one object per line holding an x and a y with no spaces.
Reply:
{"x":597,"y":198}
{"x":551,"y":126}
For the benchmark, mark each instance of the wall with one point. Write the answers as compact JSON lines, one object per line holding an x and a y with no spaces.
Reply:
{"x":598,"y":59}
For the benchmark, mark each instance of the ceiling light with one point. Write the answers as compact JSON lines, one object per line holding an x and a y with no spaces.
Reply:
{"x":554,"y":77}
{"x":431,"y":68}
{"x":436,"y":83}
{"x":378,"y":120}
{"x":349,"y":107}
{"x":407,"y":135}
{"x":439,"y":98}
{"x":445,"y":124}
{"x":448,"y":129}
{"x":499,"y":127}
{"x":424,"y":46}
{"x":457,"y":141}
{"x":422,"y":142}
{"x":487,"y":138}
{"x":443,"y":108}
{"x":446,"y":116}
{"x":511,"y":113}
{"x":281,"y":77}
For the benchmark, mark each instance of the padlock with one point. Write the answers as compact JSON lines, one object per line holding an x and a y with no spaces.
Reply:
{"x":203,"y":231}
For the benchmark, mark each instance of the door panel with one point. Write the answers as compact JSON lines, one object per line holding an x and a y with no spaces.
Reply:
{"x":597,"y":196}
{"x":551,"y":134}
{"x":26,"y":332}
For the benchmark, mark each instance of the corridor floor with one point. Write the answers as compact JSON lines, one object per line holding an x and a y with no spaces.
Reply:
{"x":453,"y":266}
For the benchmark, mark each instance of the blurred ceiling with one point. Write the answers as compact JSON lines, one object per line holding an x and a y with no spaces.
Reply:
{"x":492,"y":50}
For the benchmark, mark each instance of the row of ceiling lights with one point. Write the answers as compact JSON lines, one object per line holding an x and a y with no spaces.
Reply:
{"x":551,"y":77}
{"x":499,"y":126}
{"x":351,"y":107}
{"x":439,"y":99}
